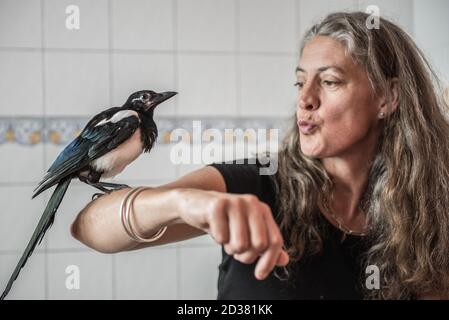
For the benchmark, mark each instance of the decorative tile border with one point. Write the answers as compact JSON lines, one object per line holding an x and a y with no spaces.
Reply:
{"x":60,"y":131}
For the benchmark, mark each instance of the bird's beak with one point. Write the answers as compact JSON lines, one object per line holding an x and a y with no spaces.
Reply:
{"x":161,"y":97}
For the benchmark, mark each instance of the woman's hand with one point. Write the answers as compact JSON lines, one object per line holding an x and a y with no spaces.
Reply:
{"x":242,"y":223}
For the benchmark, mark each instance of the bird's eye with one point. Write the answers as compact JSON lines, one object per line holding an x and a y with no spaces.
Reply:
{"x":146,"y":96}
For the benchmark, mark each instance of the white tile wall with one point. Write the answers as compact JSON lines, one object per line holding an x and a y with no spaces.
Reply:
{"x":267,"y":26}
{"x":75,"y":199}
{"x":147,"y":274}
{"x":311,"y":12}
{"x":201,"y":241}
{"x":20,"y":23}
{"x":438,"y":58}
{"x":137,"y":24}
{"x":21,"y":163}
{"x":78,"y":88}
{"x":205,"y":267}
{"x":267,"y":85}
{"x":206,"y":25}
{"x":95,"y":275}
{"x":442,"y":65}
{"x":19,"y":217}
{"x":398,"y":11}
{"x":133,"y":72}
{"x":155,"y":165}
{"x":21,"y":83}
{"x":207,"y":85}
{"x":30,"y":284}
{"x":431,"y":23}
{"x":183,"y":169}
{"x":93,"y":31}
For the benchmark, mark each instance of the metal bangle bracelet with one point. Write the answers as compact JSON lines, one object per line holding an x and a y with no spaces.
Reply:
{"x":122,"y":213}
{"x":126,"y":211}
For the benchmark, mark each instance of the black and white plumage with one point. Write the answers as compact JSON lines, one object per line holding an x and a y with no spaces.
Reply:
{"x":108,"y":143}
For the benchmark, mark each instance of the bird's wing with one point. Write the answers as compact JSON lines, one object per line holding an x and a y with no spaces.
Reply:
{"x":97,"y":138}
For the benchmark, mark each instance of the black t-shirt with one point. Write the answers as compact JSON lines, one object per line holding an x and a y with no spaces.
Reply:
{"x":335,"y":273}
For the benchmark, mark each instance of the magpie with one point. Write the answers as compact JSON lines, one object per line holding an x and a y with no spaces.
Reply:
{"x":108,"y":143}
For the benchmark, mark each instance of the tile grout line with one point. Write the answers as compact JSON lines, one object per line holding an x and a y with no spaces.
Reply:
{"x":237,"y":58}
{"x":111,"y":90}
{"x":110,"y":55}
{"x":172,"y":246}
{"x":45,"y":159}
{"x":44,"y":153}
{"x":175,"y":62}
{"x":177,"y":169}
{"x":175,"y":51}
{"x":297,"y":23}
{"x":145,"y":51}
{"x":80,"y":184}
{"x":413,"y":30}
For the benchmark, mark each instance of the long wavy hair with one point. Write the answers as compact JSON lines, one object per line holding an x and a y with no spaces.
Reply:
{"x":407,"y":198}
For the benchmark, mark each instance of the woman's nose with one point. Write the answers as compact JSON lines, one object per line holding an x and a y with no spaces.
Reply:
{"x":308,"y":100}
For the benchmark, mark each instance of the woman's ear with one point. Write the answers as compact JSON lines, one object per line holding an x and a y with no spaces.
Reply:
{"x":390,"y":101}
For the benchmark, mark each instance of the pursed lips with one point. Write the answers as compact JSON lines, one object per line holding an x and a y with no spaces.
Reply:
{"x":306,"y":127}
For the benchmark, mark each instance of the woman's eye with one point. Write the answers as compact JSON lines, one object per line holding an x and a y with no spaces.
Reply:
{"x":299,"y":84}
{"x":330,"y":83}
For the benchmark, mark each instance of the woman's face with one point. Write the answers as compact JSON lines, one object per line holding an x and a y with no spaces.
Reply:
{"x":336,"y":108}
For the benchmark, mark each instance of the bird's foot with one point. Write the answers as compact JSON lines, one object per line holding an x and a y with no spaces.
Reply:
{"x":97,"y":195}
{"x":115,"y":186}
{"x":120,"y":187}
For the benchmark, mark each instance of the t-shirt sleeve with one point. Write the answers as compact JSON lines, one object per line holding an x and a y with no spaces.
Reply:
{"x":241,"y":177}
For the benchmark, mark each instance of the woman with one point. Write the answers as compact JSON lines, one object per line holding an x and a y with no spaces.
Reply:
{"x":362,"y":183}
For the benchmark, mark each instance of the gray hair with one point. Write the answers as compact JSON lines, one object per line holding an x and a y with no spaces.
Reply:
{"x":407,"y":195}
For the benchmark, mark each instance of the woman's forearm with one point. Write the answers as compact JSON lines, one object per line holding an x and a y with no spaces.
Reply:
{"x":99,"y":225}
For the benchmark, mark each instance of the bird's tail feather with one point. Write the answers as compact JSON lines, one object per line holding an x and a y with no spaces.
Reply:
{"x":44,"y":223}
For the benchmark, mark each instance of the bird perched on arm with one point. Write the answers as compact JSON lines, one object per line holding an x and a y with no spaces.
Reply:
{"x":108,"y":143}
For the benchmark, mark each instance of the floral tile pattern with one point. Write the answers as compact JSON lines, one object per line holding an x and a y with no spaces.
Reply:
{"x":60,"y":131}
